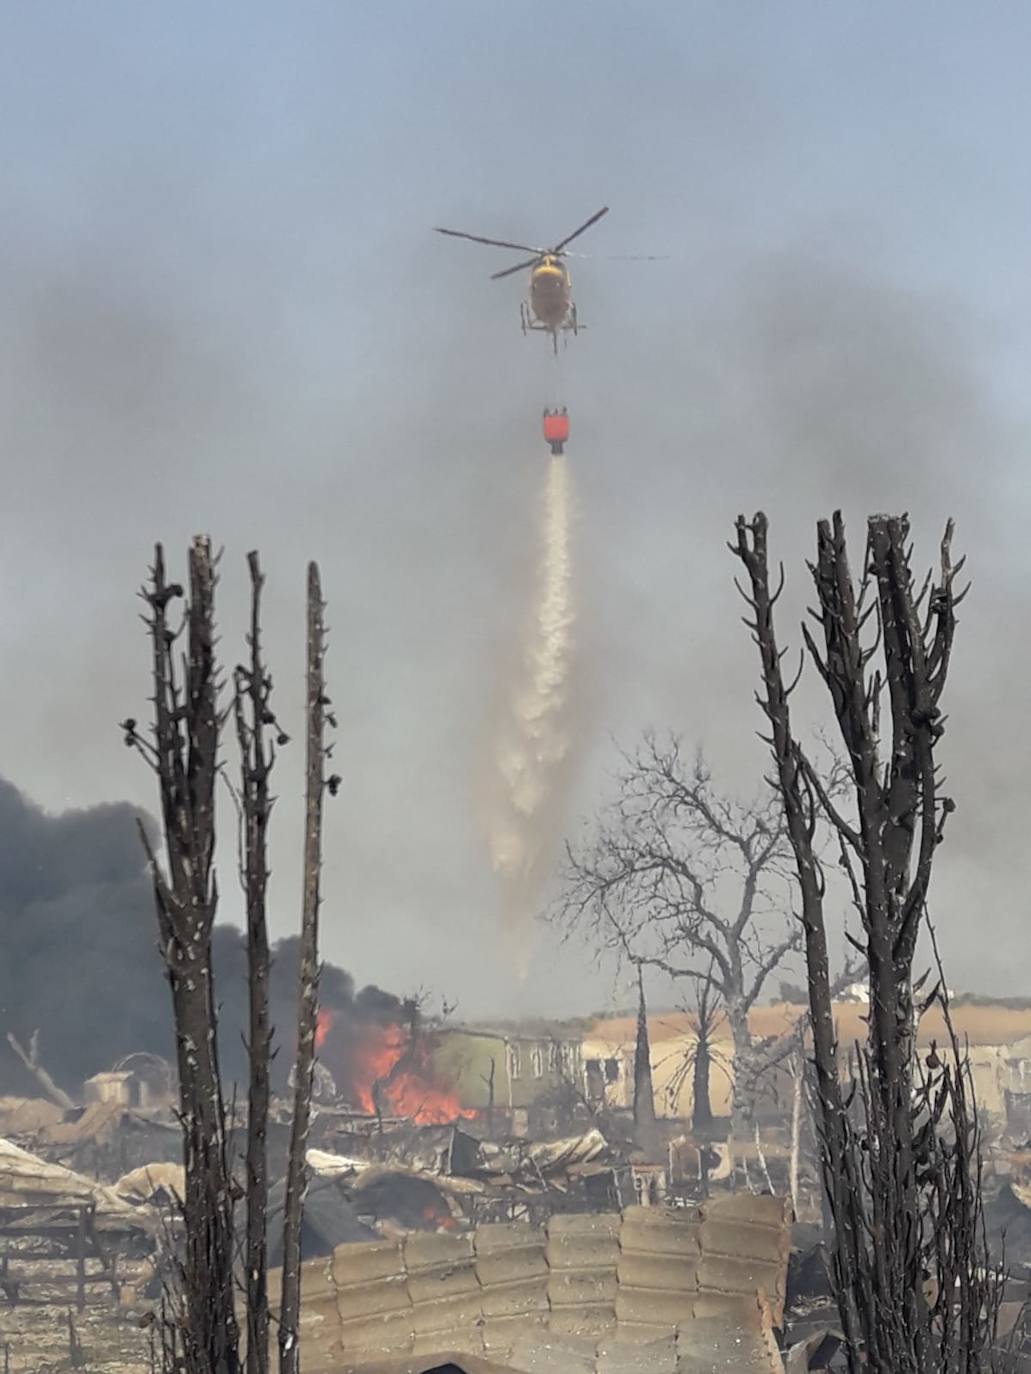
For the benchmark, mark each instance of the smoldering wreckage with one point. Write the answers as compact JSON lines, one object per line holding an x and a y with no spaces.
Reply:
{"x":542,"y":1197}
{"x":478,"y":1191}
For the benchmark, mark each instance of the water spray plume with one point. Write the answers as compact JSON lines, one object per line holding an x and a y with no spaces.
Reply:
{"x":534,"y":740}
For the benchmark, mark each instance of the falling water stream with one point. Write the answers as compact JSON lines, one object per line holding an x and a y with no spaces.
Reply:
{"x":533,"y":740}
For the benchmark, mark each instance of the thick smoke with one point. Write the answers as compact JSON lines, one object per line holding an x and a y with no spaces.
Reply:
{"x":80,"y":961}
{"x":814,"y":387}
{"x":352,"y":1011}
{"x":80,"y":964}
{"x":534,"y":740}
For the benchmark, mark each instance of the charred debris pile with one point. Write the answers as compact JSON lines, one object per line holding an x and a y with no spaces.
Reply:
{"x":416,"y":1131}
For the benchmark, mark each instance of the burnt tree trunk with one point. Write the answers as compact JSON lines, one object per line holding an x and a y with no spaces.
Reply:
{"x":801,"y":815}
{"x":746,"y":1076}
{"x":199,"y":1326}
{"x":488,"y":1079}
{"x":296,"y":1181}
{"x":706,"y":1016}
{"x":902,"y":1174}
{"x":254,"y":717}
{"x":701,"y":1106}
{"x":184,"y":752}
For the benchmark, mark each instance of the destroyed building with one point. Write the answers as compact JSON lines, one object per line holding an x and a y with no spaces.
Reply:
{"x":73,"y":1256}
{"x":445,"y":1135}
{"x":124,"y":1122}
{"x":508,"y":1071}
{"x":408,"y":1176}
{"x":146,"y":1081}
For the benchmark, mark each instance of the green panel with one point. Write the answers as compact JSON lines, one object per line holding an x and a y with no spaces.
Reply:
{"x":465,"y":1061}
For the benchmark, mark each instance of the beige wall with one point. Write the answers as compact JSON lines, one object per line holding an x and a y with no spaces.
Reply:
{"x":672,"y":1086}
{"x":713,"y":1275}
{"x":994,"y":1066}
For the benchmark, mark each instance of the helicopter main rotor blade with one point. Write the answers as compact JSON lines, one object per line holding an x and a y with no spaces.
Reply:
{"x":519,"y":267}
{"x":619,"y":257}
{"x":583,"y":227}
{"x":493,"y":243}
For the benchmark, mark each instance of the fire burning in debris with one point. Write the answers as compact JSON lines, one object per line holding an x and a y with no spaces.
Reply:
{"x":387,"y":1070}
{"x":323,"y":1025}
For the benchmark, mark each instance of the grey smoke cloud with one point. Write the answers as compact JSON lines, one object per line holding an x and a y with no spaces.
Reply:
{"x":226,"y":312}
{"x":81,"y":965}
{"x":828,"y":388}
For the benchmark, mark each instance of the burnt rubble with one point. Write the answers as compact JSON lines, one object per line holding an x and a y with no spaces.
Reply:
{"x":75,"y":1261}
{"x":473,"y":1180}
{"x":388,"y":1184}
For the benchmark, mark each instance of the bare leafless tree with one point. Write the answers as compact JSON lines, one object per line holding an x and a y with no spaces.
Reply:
{"x":31,"y":1060}
{"x":682,"y":879}
{"x":704,"y":1019}
{"x":296,"y":1179}
{"x":902,"y":1174}
{"x":201,"y":1335}
{"x":183,"y":752}
{"x":257,"y":735}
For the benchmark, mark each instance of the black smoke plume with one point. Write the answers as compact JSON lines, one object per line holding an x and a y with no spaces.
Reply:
{"x":351,"y":1013}
{"x":78,"y":961}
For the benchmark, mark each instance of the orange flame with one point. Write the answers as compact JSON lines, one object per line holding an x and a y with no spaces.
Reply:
{"x":323,"y":1025}
{"x":438,"y":1218}
{"x":416,"y":1091}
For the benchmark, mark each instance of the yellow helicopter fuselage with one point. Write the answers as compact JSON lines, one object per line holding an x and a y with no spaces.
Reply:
{"x":550,"y":292}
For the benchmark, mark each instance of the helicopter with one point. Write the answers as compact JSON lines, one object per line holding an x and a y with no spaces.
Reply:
{"x":550,"y":308}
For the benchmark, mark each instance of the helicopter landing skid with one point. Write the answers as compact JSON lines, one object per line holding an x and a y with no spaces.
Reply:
{"x":570,"y":325}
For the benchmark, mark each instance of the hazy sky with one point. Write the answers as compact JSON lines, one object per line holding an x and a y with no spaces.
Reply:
{"x":222,"y":309}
